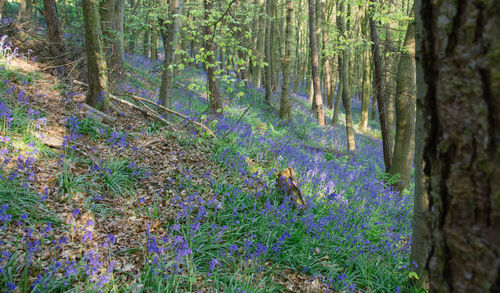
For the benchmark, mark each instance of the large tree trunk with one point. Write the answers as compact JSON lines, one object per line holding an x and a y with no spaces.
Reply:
{"x":54,"y":31}
{"x":96,"y":62}
{"x":169,"y":31}
{"x":379,"y":92}
{"x":459,"y":172}
{"x":405,"y":112}
{"x":285,"y":112}
{"x":315,"y":71}
{"x":214,"y":91}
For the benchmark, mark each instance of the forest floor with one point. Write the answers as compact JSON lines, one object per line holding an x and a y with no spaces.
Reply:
{"x":139,"y":206}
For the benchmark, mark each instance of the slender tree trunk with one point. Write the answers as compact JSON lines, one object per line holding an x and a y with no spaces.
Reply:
{"x":326,"y":60}
{"x":154,"y":45}
{"x":269,"y":52}
{"x":26,"y":11}
{"x":146,"y":42}
{"x":96,"y":62}
{"x":118,"y":45}
{"x":107,"y":13}
{"x":169,"y":32}
{"x":315,"y":70}
{"x":346,"y":93}
{"x":215,"y":94}
{"x":458,"y":179}
{"x":54,"y":31}
{"x":285,"y":112}
{"x":379,"y":92}
{"x":405,"y":112}
{"x":365,"y":92}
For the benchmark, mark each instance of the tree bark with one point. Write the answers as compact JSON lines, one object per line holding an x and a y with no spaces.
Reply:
{"x":107,"y":13}
{"x":285,"y":112}
{"x":405,"y":101}
{"x":318,"y":99}
{"x":379,"y":92}
{"x":365,"y":92}
{"x":269,"y":52}
{"x":96,"y":62}
{"x":54,"y":31}
{"x":214,"y":91}
{"x":169,"y":29}
{"x":118,"y":46}
{"x":326,"y":60}
{"x":460,"y":161}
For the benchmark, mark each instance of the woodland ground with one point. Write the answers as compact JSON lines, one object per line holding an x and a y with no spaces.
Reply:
{"x":139,"y":206}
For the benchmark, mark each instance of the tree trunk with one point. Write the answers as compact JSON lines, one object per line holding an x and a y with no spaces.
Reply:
{"x":318,"y":100}
{"x":365,"y":91}
{"x":215,"y":94}
{"x":119,"y":50}
{"x":285,"y":113}
{"x":96,"y":62}
{"x":326,"y":60}
{"x":26,"y":11}
{"x":379,"y":92}
{"x":460,"y":161}
{"x":269,"y":52}
{"x":169,"y":29}
{"x":405,"y":112}
{"x":107,"y":12}
{"x":54,"y":31}
{"x":259,"y":49}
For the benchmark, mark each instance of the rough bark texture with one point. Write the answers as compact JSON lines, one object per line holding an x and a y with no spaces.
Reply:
{"x":315,"y":70}
{"x":285,"y":112}
{"x":461,"y":144}
{"x":54,"y":31}
{"x":96,"y":63}
{"x":405,"y":112}
{"x":215,"y":94}
{"x":379,"y":92}
{"x":107,"y":12}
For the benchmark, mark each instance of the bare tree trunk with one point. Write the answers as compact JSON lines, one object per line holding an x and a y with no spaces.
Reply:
{"x":215,"y":94}
{"x":379,"y":92}
{"x":269,"y":52}
{"x":54,"y":31}
{"x":118,"y":45}
{"x":365,"y":91}
{"x":285,"y":112}
{"x":169,"y":29}
{"x":107,"y":12}
{"x":405,"y":112}
{"x":460,"y":164}
{"x":346,"y":93}
{"x":326,"y":60}
{"x":315,"y":70}
{"x":96,"y":62}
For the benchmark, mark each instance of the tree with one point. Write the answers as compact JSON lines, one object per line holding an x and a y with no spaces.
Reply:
{"x":118,"y":45}
{"x":169,"y":29}
{"x":269,"y":51}
{"x":96,"y":62}
{"x":405,"y":100}
{"x":54,"y":31}
{"x":313,"y":43}
{"x":457,"y":197}
{"x":378,"y":84}
{"x":285,"y":112}
{"x":214,"y":91}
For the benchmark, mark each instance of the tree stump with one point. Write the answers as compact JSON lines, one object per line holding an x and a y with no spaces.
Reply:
{"x":288,"y":184}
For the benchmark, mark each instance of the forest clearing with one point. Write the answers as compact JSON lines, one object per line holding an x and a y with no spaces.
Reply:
{"x":220,"y":146}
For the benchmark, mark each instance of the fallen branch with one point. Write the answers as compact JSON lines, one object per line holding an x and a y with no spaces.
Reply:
{"x":96,"y":114}
{"x":154,"y":114}
{"x":176,"y":113}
